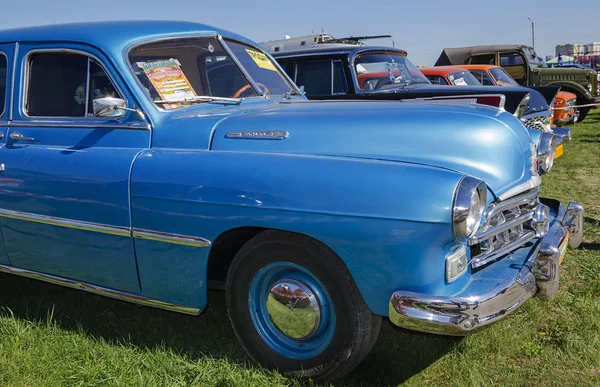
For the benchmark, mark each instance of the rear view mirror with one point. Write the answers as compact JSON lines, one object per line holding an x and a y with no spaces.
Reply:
{"x":109,"y":107}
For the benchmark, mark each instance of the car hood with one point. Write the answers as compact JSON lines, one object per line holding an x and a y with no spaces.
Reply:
{"x":476,"y":140}
{"x":514,"y":95}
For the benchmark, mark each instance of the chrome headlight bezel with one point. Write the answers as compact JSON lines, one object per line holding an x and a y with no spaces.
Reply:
{"x":468,"y":207}
{"x":546,"y":150}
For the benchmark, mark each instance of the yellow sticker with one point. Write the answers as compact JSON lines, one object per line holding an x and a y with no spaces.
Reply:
{"x":261,"y":60}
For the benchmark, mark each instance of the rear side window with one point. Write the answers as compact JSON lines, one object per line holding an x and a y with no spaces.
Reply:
{"x":65,"y":85}
{"x":321,"y":77}
{"x":437,"y":79}
{"x":483,"y":59}
{"x":3,"y":82}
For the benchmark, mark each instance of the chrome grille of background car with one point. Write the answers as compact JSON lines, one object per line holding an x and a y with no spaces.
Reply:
{"x":507,"y":225}
{"x":537,"y":121}
{"x":568,"y":105}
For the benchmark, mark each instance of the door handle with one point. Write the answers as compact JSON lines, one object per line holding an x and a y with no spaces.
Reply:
{"x":16,"y":136}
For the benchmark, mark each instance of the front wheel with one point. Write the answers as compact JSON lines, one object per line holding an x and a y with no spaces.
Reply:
{"x":583,"y":112}
{"x":294,"y":306}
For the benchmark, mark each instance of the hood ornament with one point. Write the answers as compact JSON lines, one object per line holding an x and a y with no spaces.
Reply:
{"x":259,"y":135}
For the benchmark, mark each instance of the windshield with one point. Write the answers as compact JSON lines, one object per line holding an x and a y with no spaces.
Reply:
{"x":502,"y":78}
{"x":379,"y":71}
{"x":189,"y":68}
{"x":463,"y":78}
{"x":532,"y":58}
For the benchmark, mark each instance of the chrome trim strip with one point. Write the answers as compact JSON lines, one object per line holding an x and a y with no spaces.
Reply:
{"x":95,"y":289}
{"x":12,"y":82}
{"x":85,"y":124}
{"x":6,"y":88}
{"x":170,"y":238}
{"x":68,"y":223}
{"x":535,"y":181}
{"x":177,"y":239}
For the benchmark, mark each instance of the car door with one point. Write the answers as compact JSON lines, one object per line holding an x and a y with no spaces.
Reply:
{"x":67,"y":213}
{"x":6,"y":61}
{"x":515,"y":65}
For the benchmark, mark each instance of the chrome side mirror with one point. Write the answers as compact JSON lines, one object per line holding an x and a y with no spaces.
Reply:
{"x":113,"y":107}
{"x":109,"y":107}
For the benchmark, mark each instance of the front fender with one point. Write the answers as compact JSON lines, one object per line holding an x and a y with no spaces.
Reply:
{"x":390,"y":222}
{"x":573,"y":87}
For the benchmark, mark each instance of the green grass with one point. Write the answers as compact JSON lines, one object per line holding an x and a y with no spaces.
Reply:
{"x":53,"y":336}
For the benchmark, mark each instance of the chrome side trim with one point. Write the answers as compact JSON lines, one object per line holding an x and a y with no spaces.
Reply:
{"x":95,"y":289}
{"x":177,"y":239}
{"x":74,"y":124}
{"x":68,"y":223}
{"x":170,"y":238}
{"x":12,"y":82}
{"x":535,"y":181}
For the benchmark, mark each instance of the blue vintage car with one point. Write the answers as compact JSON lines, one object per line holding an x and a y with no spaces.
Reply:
{"x":149,"y":161}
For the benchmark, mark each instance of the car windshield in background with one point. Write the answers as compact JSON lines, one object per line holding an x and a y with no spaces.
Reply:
{"x":463,"y":78}
{"x":532,"y":58}
{"x":185,"y":69}
{"x":502,"y":78}
{"x":380,"y":71}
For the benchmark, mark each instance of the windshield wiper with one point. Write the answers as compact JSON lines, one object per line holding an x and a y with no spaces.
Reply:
{"x":203,"y":98}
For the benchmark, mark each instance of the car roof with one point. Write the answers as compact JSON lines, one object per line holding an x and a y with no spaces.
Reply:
{"x":111,"y":35}
{"x":460,"y":55}
{"x":479,"y":67}
{"x":330,"y":49}
{"x":442,"y":70}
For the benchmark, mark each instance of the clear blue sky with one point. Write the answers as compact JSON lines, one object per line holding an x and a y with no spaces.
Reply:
{"x":421,"y":28}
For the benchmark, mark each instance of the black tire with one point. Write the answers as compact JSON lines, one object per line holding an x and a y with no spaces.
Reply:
{"x":351,"y":337}
{"x":583,"y":112}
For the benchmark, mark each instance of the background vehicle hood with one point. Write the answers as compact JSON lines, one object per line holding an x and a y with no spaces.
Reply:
{"x":514,"y":95}
{"x":479,"y":141}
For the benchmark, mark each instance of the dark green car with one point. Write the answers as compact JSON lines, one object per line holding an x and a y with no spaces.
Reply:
{"x":528,"y":69}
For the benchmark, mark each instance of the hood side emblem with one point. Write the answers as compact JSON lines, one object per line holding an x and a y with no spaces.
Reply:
{"x":260,"y":135}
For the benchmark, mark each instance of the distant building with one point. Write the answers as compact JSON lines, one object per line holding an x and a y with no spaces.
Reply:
{"x":570,"y":49}
{"x":593,"y":48}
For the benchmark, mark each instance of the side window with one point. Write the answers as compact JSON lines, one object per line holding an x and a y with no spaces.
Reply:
{"x":482,"y":77}
{"x":65,"y":85}
{"x":3,"y":82}
{"x":340,"y":82}
{"x":511,"y":59}
{"x":483,"y":59}
{"x":437,"y":80}
{"x":315,"y":76}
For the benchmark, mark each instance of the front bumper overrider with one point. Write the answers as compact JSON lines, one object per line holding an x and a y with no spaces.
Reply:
{"x":459,"y":316}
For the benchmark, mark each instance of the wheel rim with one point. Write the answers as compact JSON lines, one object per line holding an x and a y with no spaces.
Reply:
{"x":291,"y":310}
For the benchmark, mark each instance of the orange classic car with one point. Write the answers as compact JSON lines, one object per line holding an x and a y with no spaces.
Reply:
{"x":490,"y":75}
{"x":450,"y":75}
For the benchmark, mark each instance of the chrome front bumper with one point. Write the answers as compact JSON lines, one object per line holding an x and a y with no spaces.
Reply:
{"x":459,"y":316}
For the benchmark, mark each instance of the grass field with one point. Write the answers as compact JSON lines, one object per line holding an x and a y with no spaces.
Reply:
{"x":52,"y":336}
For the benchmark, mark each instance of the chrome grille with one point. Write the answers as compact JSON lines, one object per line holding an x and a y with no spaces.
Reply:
{"x":507,"y":225}
{"x":538,"y":122}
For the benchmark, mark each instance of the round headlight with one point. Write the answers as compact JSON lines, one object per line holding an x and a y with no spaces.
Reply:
{"x":469,"y":203}
{"x":546,"y":151}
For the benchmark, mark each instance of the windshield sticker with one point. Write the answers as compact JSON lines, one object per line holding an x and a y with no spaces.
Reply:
{"x":261,"y":60}
{"x":169,"y":80}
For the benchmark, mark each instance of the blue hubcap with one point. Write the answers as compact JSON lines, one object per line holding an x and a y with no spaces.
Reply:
{"x":291,"y":310}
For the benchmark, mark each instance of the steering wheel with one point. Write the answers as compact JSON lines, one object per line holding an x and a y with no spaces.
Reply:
{"x":242,"y":89}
